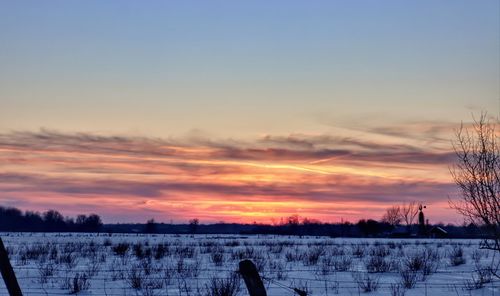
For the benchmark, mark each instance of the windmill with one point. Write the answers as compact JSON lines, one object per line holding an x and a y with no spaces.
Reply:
{"x":421,"y":220}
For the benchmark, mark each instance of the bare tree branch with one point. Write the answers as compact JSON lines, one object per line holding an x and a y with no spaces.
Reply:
{"x":392,"y":216}
{"x":477,"y":175}
{"x":409,"y":212}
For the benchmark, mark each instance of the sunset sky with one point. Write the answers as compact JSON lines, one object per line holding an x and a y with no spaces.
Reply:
{"x":240,"y":111}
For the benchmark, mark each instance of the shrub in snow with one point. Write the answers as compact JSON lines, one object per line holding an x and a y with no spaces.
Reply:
{"x":425,"y":261}
{"x":337,"y":251}
{"x":93,"y":268}
{"x":68,"y":259}
{"x":481,"y":276}
{"x":160,"y":251}
{"x":138,"y":250}
{"x":245,"y":253}
{"x":414,"y":262}
{"x":430,"y":262}
{"x":358,"y":251}
{"x":89,"y":250}
{"x":135,"y":278}
{"x":342,"y":263}
{"x":278,"y":269}
{"x":325,"y":267}
{"x":293,"y":256}
{"x":376,"y":264}
{"x":107,"y":243}
{"x":397,"y":290}
{"x":45,"y":270}
{"x":223,"y":286}
{"x":408,"y":278}
{"x":477,"y":255}
{"x":36,"y":252}
{"x":117,"y":270}
{"x":70,"y":248}
{"x":217,"y":256}
{"x":456,"y":256}
{"x":185,"y":251}
{"x":275,"y":248}
{"x":367,"y":283}
{"x":312,"y":255}
{"x":121,"y":249}
{"x":380,"y":251}
{"x":146,"y":266}
{"x":54,"y":252}
{"x":186,"y":269}
{"x":232,"y":243}
{"x":77,"y":284}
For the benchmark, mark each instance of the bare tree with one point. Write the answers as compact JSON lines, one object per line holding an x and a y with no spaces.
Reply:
{"x":477,"y":174}
{"x":392,"y":215}
{"x":193,"y":225}
{"x":409,"y":212}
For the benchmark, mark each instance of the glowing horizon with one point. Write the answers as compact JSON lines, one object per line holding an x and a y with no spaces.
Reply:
{"x":126,"y":179}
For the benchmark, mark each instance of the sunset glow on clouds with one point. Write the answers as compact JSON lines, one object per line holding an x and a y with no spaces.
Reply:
{"x":318,"y":176}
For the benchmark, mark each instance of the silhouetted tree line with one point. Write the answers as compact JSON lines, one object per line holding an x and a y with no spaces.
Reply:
{"x":363,"y":228}
{"x":295,"y":226}
{"x":12,"y":219}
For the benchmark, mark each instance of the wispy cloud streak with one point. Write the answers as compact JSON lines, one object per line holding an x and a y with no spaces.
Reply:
{"x":228,"y":179}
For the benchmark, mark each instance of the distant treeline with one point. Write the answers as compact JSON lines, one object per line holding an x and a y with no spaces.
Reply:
{"x":12,"y":219}
{"x":363,"y":228}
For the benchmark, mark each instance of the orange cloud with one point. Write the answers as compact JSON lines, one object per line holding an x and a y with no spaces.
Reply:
{"x":134,"y":178}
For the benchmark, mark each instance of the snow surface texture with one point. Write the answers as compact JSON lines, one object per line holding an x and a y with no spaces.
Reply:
{"x":129,"y":264}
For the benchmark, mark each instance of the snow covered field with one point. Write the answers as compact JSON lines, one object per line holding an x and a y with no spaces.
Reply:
{"x":128,"y":264}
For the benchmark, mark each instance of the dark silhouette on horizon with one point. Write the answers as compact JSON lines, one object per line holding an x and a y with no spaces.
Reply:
{"x":14,"y":220}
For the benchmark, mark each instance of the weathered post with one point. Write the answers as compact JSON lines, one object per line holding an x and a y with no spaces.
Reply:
{"x":252,"y":278}
{"x":8,"y":274}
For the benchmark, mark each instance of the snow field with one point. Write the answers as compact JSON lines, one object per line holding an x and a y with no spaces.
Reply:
{"x":199,"y":265}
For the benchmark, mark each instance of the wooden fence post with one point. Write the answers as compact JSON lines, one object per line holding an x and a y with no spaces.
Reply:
{"x":9,"y":277}
{"x":252,"y":278}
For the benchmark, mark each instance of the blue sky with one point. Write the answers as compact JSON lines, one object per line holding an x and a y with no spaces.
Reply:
{"x":231,"y":67}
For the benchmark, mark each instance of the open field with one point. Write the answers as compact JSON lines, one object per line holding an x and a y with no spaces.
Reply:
{"x":125,"y":264}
